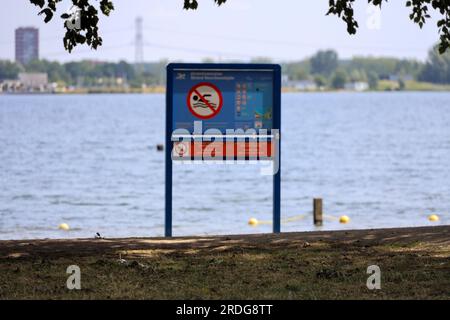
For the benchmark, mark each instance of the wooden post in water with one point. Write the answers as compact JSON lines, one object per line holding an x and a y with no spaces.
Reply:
{"x":317,"y":211}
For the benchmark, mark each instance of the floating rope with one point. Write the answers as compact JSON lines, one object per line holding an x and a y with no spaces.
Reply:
{"x":255,"y":222}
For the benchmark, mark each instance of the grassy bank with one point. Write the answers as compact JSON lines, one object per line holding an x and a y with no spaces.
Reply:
{"x":415,"y":263}
{"x":412,"y":85}
{"x":386,"y":86}
{"x":114,"y":90}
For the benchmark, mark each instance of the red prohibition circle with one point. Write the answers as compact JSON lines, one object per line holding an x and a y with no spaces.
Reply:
{"x":194,"y":89}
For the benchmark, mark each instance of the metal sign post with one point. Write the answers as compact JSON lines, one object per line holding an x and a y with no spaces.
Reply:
{"x":244,"y":99}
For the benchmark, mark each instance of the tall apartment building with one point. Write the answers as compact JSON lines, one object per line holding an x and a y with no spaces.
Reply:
{"x":27,"y":45}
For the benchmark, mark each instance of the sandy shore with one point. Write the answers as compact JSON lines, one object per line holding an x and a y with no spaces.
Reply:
{"x":415,"y":263}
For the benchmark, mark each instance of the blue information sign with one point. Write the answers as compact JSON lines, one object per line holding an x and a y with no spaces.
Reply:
{"x":225,"y":99}
{"x":223,"y":111}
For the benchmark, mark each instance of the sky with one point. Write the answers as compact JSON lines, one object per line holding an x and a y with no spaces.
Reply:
{"x":287,"y":30}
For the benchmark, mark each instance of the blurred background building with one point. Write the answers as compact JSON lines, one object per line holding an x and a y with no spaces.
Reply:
{"x":27,"y":45}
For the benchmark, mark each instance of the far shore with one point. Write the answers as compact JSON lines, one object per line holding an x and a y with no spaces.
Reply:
{"x":384,"y":86}
{"x":414,"y":264}
{"x":150,"y":92}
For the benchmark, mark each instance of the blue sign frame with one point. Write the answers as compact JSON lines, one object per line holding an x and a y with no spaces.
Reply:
{"x":276,"y":125}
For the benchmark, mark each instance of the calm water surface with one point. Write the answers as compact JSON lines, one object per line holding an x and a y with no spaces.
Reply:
{"x":90,"y":161}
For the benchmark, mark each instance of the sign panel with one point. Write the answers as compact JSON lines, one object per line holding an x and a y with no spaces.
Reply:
{"x":236,"y":103}
{"x":225,"y":98}
{"x":222,"y":112}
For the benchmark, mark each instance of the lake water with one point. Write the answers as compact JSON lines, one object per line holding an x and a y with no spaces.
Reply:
{"x":90,"y":161}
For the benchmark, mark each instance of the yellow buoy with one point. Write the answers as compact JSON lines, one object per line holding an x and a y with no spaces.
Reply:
{"x":64,"y":226}
{"x":433,"y":218}
{"x":344,"y":219}
{"x":253,"y":222}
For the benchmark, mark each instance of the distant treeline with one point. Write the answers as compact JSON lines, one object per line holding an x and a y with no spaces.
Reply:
{"x":324,"y":68}
{"x":90,"y":73}
{"x":327,"y":70}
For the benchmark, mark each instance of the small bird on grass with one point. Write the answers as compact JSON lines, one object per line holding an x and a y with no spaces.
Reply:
{"x":98,"y":236}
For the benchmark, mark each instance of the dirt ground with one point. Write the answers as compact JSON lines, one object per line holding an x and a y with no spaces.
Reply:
{"x":414,"y":264}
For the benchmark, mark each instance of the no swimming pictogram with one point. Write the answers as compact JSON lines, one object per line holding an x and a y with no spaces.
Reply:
{"x":205,"y":100}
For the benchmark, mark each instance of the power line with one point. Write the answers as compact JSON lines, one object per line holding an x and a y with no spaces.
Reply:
{"x":296,"y":44}
{"x":139,"y":43}
{"x":57,"y":37}
{"x":196,"y":50}
{"x":61,"y":53}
